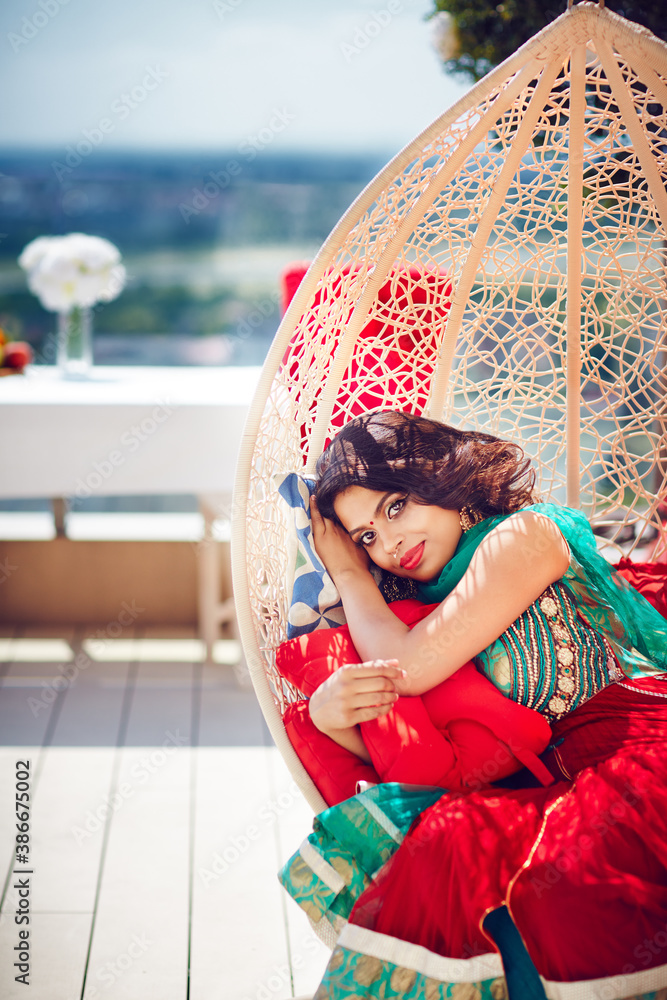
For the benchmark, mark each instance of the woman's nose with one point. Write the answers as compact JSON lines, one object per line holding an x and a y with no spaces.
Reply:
{"x":390,"y":543}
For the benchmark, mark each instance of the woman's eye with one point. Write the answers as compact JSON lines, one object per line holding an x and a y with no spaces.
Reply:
{"x":366,"y":538}
{"x":395,"y":507}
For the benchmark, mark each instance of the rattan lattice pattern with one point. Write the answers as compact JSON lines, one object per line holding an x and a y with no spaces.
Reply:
{"x":505,"y":272}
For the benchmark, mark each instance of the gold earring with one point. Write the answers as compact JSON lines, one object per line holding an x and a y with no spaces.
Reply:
{"x":469,"y":517}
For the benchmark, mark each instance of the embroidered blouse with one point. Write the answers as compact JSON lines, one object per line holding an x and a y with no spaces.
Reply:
{"x":550,"y":659}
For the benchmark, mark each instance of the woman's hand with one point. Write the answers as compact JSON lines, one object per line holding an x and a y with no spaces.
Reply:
{"x":355,"y":693}
{"x":335,"y":547}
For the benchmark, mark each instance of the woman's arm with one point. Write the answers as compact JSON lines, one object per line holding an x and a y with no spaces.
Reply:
{"x":511,"y":567}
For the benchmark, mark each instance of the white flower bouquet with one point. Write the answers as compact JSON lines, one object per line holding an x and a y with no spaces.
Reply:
{"x":70,"y":274}
{"x":73,"y":270}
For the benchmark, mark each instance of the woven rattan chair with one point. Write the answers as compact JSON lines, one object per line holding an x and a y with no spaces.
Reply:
{"x":541,"y":194}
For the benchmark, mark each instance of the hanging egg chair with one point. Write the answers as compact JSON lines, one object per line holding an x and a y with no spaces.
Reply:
{"x":504,"y":272}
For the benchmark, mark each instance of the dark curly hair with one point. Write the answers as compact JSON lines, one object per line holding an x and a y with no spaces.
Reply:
{"x":433,"y":463}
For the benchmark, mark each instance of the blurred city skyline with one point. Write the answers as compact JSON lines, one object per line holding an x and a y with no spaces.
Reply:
{"x":305,"y":75}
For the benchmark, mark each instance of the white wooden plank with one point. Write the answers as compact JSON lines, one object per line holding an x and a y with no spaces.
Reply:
{"x":248,"y":815}
{"x":239,"y":949}
{"x":230,"y":716}
{"x":69,"y":797}
{"x":308,"y":954}
{"x":67,"y":816}
{"x":58,"y":943}
{"x":161,"y":706}
{"x":91,"y":712}
{"x":140,"y":941}
{"x":9,"y":757}
{"x":68,"y":820}
{"x":29,"y":691}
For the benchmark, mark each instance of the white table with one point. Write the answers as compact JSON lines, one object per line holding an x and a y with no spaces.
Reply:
{"x":128,"y":431}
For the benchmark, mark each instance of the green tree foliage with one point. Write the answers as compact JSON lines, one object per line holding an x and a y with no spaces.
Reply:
{"x":489,"y":32}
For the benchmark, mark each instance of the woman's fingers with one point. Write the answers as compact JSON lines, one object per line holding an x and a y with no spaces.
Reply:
{"x":334,"y":546}
{"x":315,"y":515}
{"x":317,"y":522}
{"x":360,"y":697}
{"x":363,"y":686}
{"x":368,"y":714}
{"x":375,"y":668}
{"x":368,"y":683}
{"x":371,"y":696}
{"x":373,"y":682}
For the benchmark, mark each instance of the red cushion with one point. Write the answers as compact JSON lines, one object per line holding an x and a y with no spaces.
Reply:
{"x":650,"y":579}
{"x":334,"y":770}
{"x":412,"y":298}
{"x":290,"y":280}
{"x":462,"y":733}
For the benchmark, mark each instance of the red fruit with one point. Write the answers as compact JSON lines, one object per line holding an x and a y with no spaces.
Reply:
{"x":17,"y":354}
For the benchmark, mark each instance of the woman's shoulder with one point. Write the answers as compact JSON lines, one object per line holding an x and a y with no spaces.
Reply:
{"x":533,"y":534}
{"x":526,"y":550}
{"x":568,"y":519}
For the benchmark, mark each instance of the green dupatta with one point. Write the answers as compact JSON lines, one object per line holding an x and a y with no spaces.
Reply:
{"x":636,"y":630}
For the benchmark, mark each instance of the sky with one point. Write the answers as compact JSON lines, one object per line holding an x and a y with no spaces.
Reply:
{"x":300,"y":75}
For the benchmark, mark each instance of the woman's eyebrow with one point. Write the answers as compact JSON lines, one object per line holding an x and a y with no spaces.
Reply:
{"x":377,"y":511}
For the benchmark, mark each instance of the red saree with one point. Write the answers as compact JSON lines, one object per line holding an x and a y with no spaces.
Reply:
{"x":581,"y":865}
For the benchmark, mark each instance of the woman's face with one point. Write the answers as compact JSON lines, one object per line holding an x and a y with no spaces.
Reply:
{"x":406,"y":538}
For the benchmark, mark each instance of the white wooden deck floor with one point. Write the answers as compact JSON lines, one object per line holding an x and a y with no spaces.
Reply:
{"x":160,"y":814}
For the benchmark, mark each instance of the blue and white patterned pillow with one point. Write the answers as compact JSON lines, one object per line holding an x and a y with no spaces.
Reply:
{"x":313,"y":598}
{"x":315,"y":603}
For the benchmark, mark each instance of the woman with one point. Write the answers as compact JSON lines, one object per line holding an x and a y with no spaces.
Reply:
{"x":581,"y":865}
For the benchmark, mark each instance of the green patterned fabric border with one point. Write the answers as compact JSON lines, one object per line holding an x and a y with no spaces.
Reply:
{"x":353,"y":976}
{"x":354,"y":838}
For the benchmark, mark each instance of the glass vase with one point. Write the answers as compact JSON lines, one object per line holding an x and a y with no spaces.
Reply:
{"x":75,"y":344}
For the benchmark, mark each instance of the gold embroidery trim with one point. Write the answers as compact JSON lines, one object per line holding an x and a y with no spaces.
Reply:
{"x":531,"y":854}
{"x":561,"y":766}
{"x":565,"y":686}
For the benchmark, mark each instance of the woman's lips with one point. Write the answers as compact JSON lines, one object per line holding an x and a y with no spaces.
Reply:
{"x":412,"y":557}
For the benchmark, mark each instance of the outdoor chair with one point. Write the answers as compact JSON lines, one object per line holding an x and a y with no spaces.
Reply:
{"x":504,"y":272}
